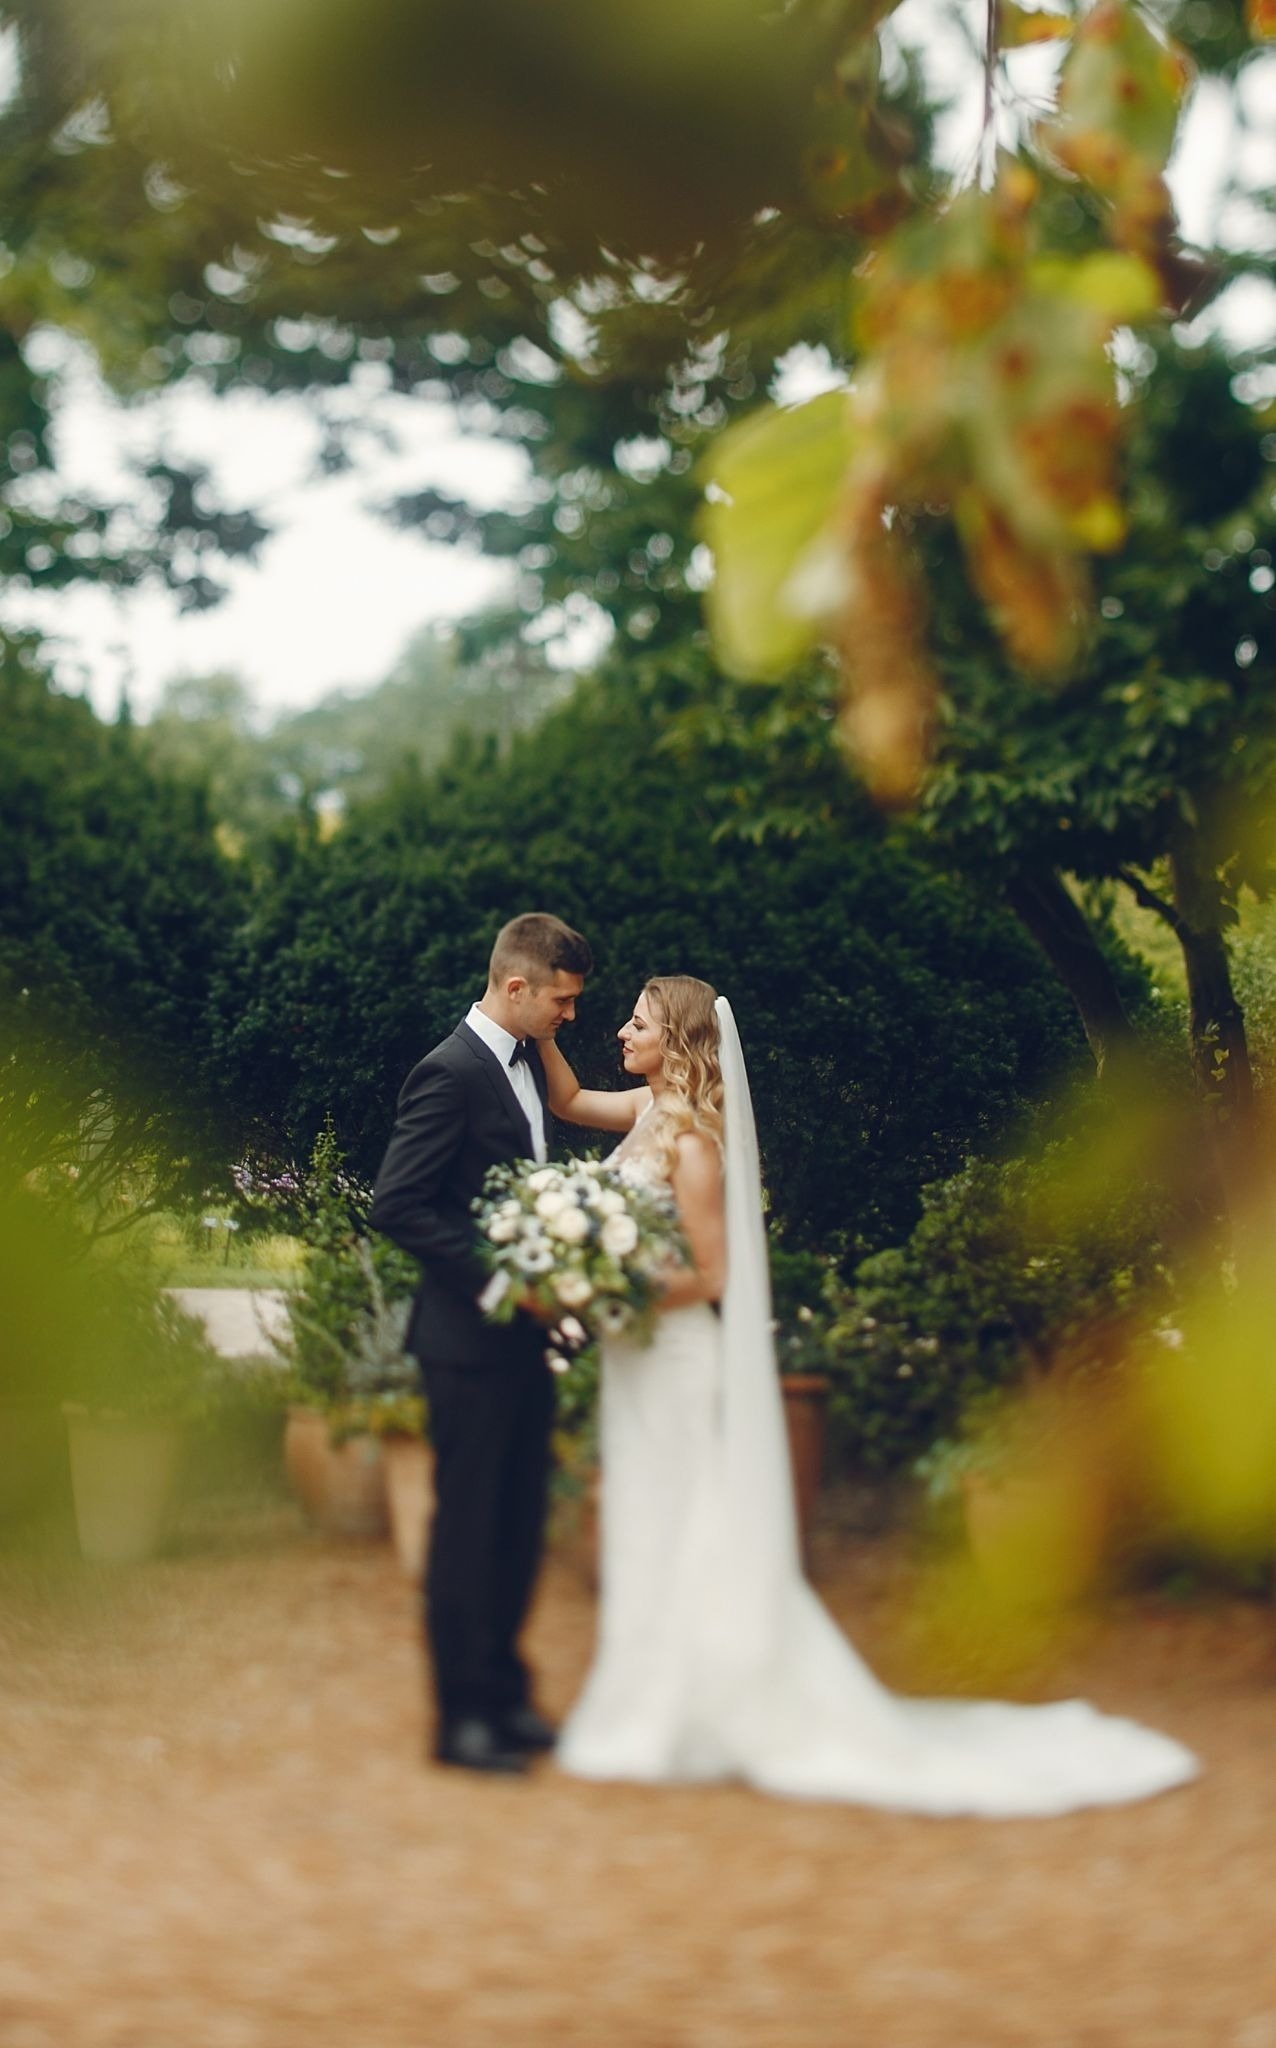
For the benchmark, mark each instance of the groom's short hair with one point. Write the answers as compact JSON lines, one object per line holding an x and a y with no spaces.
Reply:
{"x":538,"y":946}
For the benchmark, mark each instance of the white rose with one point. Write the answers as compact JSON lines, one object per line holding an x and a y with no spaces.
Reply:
{"x":619,"y":1236}
{"x":550,"y":1204}
{"x":544,"y":1177}
{"x":503,"y":1229}
{"x":609,"y":1203}
{"x":573,"y":1290}
{"x":570,"y":1226}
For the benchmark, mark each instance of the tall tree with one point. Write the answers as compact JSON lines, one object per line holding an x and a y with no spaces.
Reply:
{"x":598,"y":236}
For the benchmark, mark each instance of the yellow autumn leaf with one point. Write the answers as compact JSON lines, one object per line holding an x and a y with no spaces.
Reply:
{"x":1099,"y":526}
{"x":1019,"y":26}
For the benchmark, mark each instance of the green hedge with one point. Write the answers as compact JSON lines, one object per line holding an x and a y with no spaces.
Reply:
{"x":893,"y":1022}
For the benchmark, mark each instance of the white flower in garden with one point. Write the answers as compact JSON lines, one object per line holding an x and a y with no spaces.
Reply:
{"x":534,"y":1259}
{"x":570,"y":1225}
{"x":503,"y":1229}
{"x":609,"y":1203}
{"x":573,"y":1290}
{"x":619,"y":1236}
{"x":550,"y":1204}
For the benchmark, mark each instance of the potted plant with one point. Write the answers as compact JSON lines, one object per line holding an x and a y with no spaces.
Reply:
{"x":1032,"y":1527}
{"x":399,"y":1421}
{"x":387,"y":1402}
{"x":356,"y":1389}
{"x":144,"y":1373}
{"x":800,"y":1284}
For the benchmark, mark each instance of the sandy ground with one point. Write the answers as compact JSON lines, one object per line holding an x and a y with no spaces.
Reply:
{"x":218,"y":1830}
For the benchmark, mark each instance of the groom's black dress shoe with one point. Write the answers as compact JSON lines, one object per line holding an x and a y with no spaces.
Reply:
{"x":525,"y":1729}
{"x":477,"y":1745}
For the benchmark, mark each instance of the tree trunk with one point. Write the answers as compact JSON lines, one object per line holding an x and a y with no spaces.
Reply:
{"x":1047,"y":911}
{"x":1216,"y":1022}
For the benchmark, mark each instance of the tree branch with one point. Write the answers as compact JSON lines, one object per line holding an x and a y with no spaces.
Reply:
{"x":1148,"y":899}
{"x":987,"y":139}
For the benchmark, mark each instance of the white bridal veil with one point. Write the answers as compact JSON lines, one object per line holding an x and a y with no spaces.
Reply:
{"x":760,"y":1521}
{"x":793,"y":1707}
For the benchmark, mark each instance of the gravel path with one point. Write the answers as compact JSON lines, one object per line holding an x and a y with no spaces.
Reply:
{"x":217,"y":1830}
{"x":240,"y":1322}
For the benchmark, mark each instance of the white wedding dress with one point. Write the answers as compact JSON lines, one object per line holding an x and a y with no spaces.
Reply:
{"x":715,"y":1659}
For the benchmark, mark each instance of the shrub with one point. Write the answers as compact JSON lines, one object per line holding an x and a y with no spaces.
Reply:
{"x":1001,"y":1280}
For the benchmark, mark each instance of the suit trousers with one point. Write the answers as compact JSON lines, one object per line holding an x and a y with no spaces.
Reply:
{"x":490,"y":1426}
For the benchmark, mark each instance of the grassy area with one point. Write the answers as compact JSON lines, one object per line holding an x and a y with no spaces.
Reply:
{"x":183,"y":1252}
{"x":1151,"y":938}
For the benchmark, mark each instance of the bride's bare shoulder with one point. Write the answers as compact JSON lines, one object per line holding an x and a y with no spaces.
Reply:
{"x":698,"y":1153}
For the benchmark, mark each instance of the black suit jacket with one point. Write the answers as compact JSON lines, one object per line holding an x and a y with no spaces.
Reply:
{"x":457,"y":1116}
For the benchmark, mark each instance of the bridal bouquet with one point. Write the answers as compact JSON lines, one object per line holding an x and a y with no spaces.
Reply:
{"x":580,"y":1240}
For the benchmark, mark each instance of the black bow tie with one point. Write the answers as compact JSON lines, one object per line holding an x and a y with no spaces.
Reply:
{"x":522,"y":1051}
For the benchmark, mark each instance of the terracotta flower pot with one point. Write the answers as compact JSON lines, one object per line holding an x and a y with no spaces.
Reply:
{"x":306,"y":1456}
{"x":409,"y":1483}
{"x":1034,"y":1535}
{"x":805,"y":1414}
{"x":123,"y":1481}
{"x":340,"y":1486}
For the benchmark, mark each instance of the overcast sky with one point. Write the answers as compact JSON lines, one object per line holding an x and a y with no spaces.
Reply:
{"x":336,"y":592}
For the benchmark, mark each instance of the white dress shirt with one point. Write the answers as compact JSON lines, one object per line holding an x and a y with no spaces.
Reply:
{"x":502,"y":1044}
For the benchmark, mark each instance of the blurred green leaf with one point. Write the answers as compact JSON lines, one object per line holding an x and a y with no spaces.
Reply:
{"x":774,"y":484}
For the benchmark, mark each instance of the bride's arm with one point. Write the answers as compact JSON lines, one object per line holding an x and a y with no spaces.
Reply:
{"x":601,"y":1109}
{"x":698,"y":1191}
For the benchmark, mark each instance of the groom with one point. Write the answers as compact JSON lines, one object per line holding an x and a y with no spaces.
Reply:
{"x":478,"y":1099}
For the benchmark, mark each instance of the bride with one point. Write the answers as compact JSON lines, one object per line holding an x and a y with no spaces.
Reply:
{"x":715,"y":1659}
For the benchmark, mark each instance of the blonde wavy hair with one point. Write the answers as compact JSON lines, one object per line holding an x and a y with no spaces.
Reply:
{"x":692,"y":1101}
